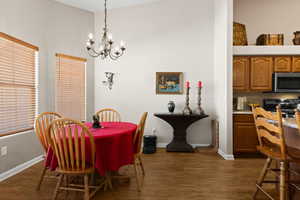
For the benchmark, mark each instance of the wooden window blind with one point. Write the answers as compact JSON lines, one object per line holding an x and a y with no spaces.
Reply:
{"x":18,"y":85}
{"x":70,"y":94}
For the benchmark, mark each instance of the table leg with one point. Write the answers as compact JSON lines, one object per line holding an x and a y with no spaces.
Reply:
{"x":179,"y":143}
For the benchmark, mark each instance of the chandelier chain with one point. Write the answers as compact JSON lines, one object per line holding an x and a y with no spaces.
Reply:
{"x":105,"y":11}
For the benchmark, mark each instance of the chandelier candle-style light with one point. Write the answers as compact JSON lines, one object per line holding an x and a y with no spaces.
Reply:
{"x":106,"y":47}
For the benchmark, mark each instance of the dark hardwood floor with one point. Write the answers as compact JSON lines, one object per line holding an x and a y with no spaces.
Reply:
{"x":169,"y":176}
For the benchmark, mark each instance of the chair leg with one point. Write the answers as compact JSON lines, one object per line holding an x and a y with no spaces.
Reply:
{"x":136,"y":176}
{"x":57,"y":187}
{"x":277,"y":166}
{"x":142,"y":166}
{"x":67,"y":182}
{"x":86,"y":188}
{"x":110,"y":185}
{"x":41,"y":178}
{"x":282,"y":181}
{"x":288,"y":177}
{"x":262,"y":176}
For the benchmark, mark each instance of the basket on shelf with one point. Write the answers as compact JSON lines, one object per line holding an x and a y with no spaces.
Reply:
{"x":239,"y":34}
{"x":296,"y":40}
{"x":270,"y":39}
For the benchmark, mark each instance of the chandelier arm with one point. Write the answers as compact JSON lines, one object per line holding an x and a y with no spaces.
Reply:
{"x":115,"y":56}
{"x":93,"y":53}
{"x":112,"y":56}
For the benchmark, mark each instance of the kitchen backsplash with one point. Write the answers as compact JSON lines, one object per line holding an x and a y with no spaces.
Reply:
{"x":257,"y":98}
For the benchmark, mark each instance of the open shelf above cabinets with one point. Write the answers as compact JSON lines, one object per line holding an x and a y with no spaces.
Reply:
{"x":265,"y":50}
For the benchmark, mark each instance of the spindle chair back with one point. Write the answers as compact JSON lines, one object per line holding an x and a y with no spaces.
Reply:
{"x":42,"y":122}
{"x":108,"y":115}
{"x":70,"y":140}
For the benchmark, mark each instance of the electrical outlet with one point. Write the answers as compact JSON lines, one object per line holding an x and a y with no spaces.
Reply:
{"x":3,"y":151}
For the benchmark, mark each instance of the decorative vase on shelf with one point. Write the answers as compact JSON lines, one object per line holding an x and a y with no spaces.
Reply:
{"x":171,"y":106}
{"x":296,"y":39}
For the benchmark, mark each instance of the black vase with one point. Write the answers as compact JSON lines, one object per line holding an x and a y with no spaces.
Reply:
{"x":171,"y":106}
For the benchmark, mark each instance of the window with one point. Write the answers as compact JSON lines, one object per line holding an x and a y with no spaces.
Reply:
{"x":70,"y":97}
{"x":18,"y":85}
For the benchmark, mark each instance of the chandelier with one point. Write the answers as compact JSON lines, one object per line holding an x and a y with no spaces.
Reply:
{"x":106,"y":47}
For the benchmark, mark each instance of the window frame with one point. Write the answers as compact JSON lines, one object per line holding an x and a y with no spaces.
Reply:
{"x":60,"y":55}
{"x":36,"y":80}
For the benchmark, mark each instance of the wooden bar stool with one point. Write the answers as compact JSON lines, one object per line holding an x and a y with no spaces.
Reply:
{"x":272,"y":144}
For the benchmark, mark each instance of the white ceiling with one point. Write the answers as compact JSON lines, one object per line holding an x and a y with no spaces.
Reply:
{"x":98,"y":5}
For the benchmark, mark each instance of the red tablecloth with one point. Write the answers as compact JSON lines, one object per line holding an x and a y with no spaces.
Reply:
{"x":114,"y":146}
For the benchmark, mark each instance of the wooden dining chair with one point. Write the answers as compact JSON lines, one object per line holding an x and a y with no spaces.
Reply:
{"x":41,"y":125}
{"x":137,"y":143}
{"x":73,"y":143}
{"x":108,"y":115}
{"x":272,"y":144}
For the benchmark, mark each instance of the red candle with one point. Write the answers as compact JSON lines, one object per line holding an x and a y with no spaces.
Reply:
{"x":199,"y":84}
{"x":187,"y":84}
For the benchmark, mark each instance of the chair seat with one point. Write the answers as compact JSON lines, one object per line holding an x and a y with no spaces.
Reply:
{"x":77,"y":171}
{"x":293,"y":154}
{"x":276,"y":155}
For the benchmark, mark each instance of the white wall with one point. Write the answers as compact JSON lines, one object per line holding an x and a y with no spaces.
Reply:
{"x":165,"y":36}
{"x":54,"y":28}
{"x":223,"y":74}
{"x":268,"y":16}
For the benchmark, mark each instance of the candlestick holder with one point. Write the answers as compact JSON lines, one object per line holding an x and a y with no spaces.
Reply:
{"x":199,"y":109}
{"x":187,"y":110}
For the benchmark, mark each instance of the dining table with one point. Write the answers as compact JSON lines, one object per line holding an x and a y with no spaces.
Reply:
{"x":292,"y":139}
{"x":113,"y":144}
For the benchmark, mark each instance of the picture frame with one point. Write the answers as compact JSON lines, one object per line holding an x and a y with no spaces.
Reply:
{"x":169,"y":82}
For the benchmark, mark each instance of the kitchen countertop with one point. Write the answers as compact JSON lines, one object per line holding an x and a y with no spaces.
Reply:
{"x":245,"y":112}
{"x":288,"y":122}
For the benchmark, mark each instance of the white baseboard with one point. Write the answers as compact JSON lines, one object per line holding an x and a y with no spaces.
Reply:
{"x":225,"y":156}
{"x":164,"y":145}
{"x":20,"y":168}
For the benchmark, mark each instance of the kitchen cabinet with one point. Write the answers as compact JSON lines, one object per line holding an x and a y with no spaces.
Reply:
{"x":245,"y":138}
{"x":296,"y":64}
{"x":254,"y":73}
{"x":241,"y":73}
{"x":261,"y":70}
{"x":282,"y":64}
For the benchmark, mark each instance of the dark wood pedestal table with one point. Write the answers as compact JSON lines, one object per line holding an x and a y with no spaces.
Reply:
{"x":180,"y":123}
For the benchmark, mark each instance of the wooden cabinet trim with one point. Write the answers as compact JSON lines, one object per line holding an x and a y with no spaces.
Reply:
{"x":261,"y":70}
{"x":296,"y":64}
{"x":241,"y":75}
{"x":282,"y":64}
{"x":244,"y":134}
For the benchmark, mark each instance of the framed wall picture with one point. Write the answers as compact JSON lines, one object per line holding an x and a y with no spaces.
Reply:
{"x":169,"y":82}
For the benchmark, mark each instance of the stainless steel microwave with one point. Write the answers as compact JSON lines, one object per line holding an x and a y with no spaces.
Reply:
{"x":286,"y":82}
